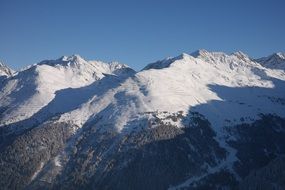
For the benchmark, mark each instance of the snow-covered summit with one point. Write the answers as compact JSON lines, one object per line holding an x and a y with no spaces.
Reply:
{"x":210,"y":57}
{"x":5,"y":70}
{"x":242,"y":55}
{"x":164,"y":63}
{"x":64,"y":61}
{"x":202,"y":53}
{"x":274,"y":61}
{"x":281,"y":55}
{"x":221,"y":57}
{"x":73,"y":58}
{"x":96,"y":68}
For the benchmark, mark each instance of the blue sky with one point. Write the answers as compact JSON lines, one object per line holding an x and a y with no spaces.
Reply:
{"x":137,"y":32}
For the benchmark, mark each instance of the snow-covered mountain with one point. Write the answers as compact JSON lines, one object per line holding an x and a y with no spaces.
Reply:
{"x":274,"y":61}
{"x":200,"y":120}
{"x":34,"y":87}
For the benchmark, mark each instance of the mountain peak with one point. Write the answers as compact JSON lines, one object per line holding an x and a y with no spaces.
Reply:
{"x":95,"y":68}
{"x":183,"y":56}
{"x":166,"y":62}
{"x":200,"y":52}
{"x":204,"y":54}
{"x":241,"y":55}
{"x":72,"y":58}
{"x":273,"y":61}
{"x":5,"y":70}
{"x":64,"y":61}
{"x":211,"y":57}
{"x":279,"y":55}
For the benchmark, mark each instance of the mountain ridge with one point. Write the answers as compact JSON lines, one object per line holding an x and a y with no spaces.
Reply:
{"x":278,"y":56}
{"x":275,"y":61}
{"x":40,"y":81}
{"x":75,"y":72}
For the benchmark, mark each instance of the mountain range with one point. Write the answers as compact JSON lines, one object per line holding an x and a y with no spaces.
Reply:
{"x":205,"y":120}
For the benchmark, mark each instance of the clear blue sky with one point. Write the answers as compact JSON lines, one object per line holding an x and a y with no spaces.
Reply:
{"x":137,"y":32}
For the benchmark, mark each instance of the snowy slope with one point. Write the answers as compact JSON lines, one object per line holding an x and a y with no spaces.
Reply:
{"x":34,"y":87}
{"x":208,"y":82}
{"x":196,"y":82}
